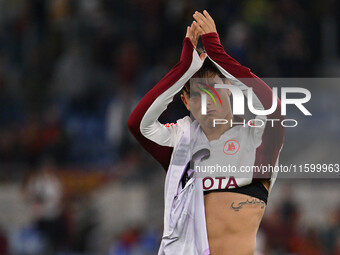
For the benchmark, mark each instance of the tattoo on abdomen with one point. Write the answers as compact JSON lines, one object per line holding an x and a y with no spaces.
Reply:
{"x":253,"y":201}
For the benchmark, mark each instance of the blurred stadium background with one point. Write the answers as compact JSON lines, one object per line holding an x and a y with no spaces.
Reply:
{"x":73,"y":180}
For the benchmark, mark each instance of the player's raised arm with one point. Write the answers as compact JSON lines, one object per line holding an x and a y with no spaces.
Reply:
{"x":156,"y":138}
{"x":216,"y":52}
{"x":271,"y":139}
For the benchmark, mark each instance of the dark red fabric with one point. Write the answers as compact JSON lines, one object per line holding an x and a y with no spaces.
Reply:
{"x":161,"y":153}
{"x":273,"y":137}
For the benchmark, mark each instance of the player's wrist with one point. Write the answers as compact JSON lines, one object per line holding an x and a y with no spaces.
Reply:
{"x":211,"y":35}
{"x":211,"y":43}
{"x":187,"y":49}
{"x":188,"y":43}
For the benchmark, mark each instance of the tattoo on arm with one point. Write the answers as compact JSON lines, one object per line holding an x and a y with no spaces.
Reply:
{"x":253,"y":201}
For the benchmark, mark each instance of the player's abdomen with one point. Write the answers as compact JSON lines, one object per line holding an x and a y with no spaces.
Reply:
{"x":232,"y":222}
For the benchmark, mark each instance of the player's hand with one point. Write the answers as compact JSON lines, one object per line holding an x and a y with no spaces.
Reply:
{"x":205,"y":24}
{"x":193,"y":33}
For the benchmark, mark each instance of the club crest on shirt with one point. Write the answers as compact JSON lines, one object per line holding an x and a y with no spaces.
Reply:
{"x":231,"y":147}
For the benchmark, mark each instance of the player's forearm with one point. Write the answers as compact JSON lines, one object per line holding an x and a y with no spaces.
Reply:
{"x":149,"y":111}
{"x":177,"y":71}
{"x":262,"y":91}
{"x":216,"y":52}
{"x":177,"y":76}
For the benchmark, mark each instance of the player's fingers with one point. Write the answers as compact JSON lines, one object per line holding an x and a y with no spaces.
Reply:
{"x":188,"y":32}
{"x":202,"y":24}
{"x":192,"y":29}
{"x":198,"y":28}
{"x":210,"y":24}
{"x":190,"y":36}
{"x":205,"y":21}
{"x":195,"y":29}
{"x":192,"y":32}
{"x":207,"y":15}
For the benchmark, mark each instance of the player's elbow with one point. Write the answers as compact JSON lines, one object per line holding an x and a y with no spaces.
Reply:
{"x":133,"y":124}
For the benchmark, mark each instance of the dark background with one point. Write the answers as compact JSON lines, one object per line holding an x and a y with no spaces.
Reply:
{"x":74,"y":181}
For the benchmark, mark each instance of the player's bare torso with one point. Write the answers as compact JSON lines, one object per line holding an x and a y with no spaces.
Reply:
{"x":232,"y":222}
